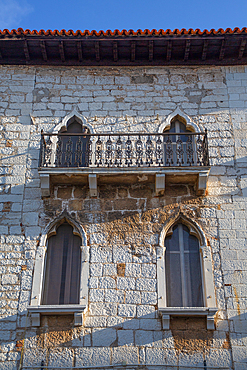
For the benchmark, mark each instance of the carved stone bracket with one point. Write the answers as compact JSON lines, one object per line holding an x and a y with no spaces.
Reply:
{"x":160,"y":183}
{"x":92,"y":181}
{"x":202,"y":183}
{"x":45,"y":184}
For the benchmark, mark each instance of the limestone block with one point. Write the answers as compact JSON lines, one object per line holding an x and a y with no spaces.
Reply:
{"x":125,"y":283}
{"x":144,"y":338}
{"x":125,"y":338}
{"x":103,"y":337}
{"x":61,"y":357}
{"x":126,"y":310}
{"x":115,"y":296}
{"x":133,"y":297}
{"x":96,"y":295}
{"x":101,"y":255}
{"x":161,"y":356}
{"x":148,"y":298}
{"x":124,"y":355}
{"x":133,"y":269}
{"x":9,"y":279}
{"x":96,"y":269}
{"x":146,"y":284}
{"x":107,"y":283}
{"x":146,"y":311}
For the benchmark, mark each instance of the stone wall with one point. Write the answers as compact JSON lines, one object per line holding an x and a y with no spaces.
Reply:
{"x":123,"y":224}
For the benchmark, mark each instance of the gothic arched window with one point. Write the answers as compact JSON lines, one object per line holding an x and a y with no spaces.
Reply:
{"x":63,"y":267}
{"x":180,"y":148}
{"x":72,"y":145}
{"x":184,"y":273}
{"x":183,"y":268}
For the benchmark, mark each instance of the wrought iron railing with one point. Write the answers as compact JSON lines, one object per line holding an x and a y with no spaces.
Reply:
{"x":124,"y":150}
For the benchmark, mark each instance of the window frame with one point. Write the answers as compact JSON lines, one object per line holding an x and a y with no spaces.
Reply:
{"x":36,"y":308}
{"x":209,"y":308}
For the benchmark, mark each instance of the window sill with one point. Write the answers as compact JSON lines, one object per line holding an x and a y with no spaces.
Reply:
{"x":76,"y":309}
{"x":167,"y":312}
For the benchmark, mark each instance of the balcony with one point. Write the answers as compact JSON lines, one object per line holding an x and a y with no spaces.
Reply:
{"x":124,"y":158}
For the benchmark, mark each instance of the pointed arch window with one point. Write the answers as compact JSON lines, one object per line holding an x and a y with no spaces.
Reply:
{"x":72,"y":145}
{"x":184,"y":273}
{"x":60,"y":281}
{"x":62,"y":273}
{"x":183,"y":268}
{"x":181,"y":148}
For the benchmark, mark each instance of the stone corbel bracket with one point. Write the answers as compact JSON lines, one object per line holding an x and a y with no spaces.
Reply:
{"x":45,"y":184}
{"x":167,"y":312}
{"x":37,"y":311}
{"x":202,"y":183}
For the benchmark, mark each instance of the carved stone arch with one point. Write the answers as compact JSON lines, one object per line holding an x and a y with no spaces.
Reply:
{"x":51,"y":228}
{"x":192,"y":225}
{"x":182,"y":117}
{"x":73,"y":116}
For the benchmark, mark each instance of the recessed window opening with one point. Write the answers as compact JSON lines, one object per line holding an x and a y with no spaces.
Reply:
{"x":72,"y":150}
{"x":183,"y":268}
{"x":62,"y":272}
{"x":180,"y":149}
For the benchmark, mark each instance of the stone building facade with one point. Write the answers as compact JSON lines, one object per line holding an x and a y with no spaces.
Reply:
{"x":123,"y":218}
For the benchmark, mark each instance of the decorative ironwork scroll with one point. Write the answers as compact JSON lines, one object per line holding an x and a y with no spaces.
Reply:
{"x":121,"y":150}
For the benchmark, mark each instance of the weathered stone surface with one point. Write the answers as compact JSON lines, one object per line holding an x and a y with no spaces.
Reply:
{"x":123,"y":224}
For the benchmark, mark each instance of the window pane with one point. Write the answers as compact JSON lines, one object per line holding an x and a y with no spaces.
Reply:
{"x":195,"y":273}
{"x":186,"y":237}
{"x":183,"y":269}
{"x":171,"y":242}
{"x":173,"y":280}
{"x":62,"y":267}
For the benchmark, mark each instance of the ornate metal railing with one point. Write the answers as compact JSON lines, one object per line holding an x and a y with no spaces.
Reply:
{"x":123,"y":150}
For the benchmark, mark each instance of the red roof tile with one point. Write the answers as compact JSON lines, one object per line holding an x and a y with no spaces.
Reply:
{"x":146,"y":32}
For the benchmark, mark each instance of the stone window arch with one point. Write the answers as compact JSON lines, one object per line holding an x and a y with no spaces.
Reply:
{"x":179,"y":261}
{"x":60,"y":280}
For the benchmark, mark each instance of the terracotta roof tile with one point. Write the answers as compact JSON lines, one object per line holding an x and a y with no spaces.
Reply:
{"x":146,"y":32}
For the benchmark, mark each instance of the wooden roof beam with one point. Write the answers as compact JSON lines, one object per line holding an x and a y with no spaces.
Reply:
{"x":187,"y":50}
{"x":61,"y":51}
{"x":205,"y":49}
{"x":133,"y":51}
{"x":97,"y":51}
{"x":115,"y":51}
{"x":26,"y":51}
{"x":150,"y":51}
{"x":241,"y":48}
{"x":169,"y":50}
{"x":222,"y":50}
{"x":43,"y":50}
{"x":79,"y":50}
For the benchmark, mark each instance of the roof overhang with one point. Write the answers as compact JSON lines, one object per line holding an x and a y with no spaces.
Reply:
{"x":124,"y":48}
